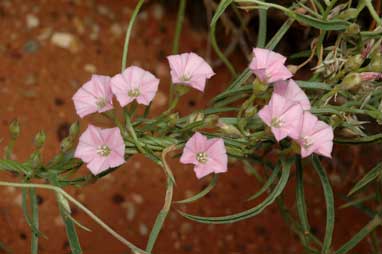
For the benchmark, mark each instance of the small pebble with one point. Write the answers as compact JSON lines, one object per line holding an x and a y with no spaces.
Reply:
{"x":32,"y":21}
{"x":143,"y":230}
{"x":137,"y":198}
{"x":90,"y":68}
{"x":116,"y":30}
{"x":30,"y":80}
{"x":131,"y":211}
{"x":65,"y":41}
{"x":158,"y":12}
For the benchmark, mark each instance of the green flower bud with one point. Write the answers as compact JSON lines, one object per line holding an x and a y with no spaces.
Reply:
{"x":347,"y":14}
{"x":352,"y":81}
{"x":229,"y":129}
{"x":74,"y":129}
{"x":173,"y":118}
{"x":376,"y":63}
{"x":250,"y":112}
{"x":14,"y":129}
{"x":195,"y":117}
{"x":335,"y":121}
{"x":353,"y":63}
{"x":66,"y":144}
{"x":39,"y":139}
{"x":259,"y":87}
{"x":211,"y":121}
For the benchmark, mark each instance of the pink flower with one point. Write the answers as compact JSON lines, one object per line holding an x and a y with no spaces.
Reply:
{"x":134,"y":84}
{"x":208,"y":155}
{"x":291,"y":91}
{"x":101,"y":149}
{"x":283,"y":116}
{"x":190,"y":69}
{"x":315,"y":136}
{"x":94,"y":96}
{"x":269,"y":66}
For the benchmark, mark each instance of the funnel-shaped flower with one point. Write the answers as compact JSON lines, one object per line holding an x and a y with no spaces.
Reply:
{"x":101,"y":149}
{"x":269,"y":66}
{"x":291,"y":91}
{"x":94,"y":96}
{"x":315,"y":136}
{"x":283,"y":116}
{"x":134,"y":84}
{"x":208,"y":155}
{"x":190,"y":69}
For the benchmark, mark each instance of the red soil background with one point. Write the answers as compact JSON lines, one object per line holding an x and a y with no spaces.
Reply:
{"x":37,"y":81}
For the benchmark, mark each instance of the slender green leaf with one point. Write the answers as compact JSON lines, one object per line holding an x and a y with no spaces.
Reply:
{"x":262,"y":34}
{"x":326,"y":25}
{"x":267,"y":184}
{"x":219,"y":11}
{"x":300,"y":200}
{"x":377,"y":138}
{"x":329,"y":199}
{"x":366,"y":230}
{"x":201,"y":194}
{"x":313,"y":85}
{"x":253,"y":211}
{"x":280,"y":34}
{"x":24,"y":206}
{"x":368,"y":178}
{"x":14,"y":166}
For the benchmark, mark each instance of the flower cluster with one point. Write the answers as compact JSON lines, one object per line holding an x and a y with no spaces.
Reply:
{"x":288,"y":111}
{"x":102,"y":149}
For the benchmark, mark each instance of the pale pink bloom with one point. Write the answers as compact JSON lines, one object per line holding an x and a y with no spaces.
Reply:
{"x":94,"y":96}
{"x":291,"y":91}
{"x":101,"y":149}
{"x":315,"y":136}
{"x":190,"y":69}
{"x":269,"y":66}
{"x":208,"y":155}
{"x":283,"y":116}
{"x":134,"y":84}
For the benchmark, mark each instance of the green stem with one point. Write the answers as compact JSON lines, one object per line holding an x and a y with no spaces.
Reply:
{"x":128,"y":33}
{"x":81,"y":207}
{"x":373,"y":13}
{"x":175,"y":46}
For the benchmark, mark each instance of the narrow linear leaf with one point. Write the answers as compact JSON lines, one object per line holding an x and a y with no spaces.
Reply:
{"x":370,"y":227}
{"x":279,"y":34}
{"x":219,"y":11}
{"x":313,"y":85}
{"x":329,"y":199}
{"x":253,"y":211}
{"x":377,"y":138}
{"x":262,"y":34}
{"x":267,"y":184}
{"x":24,"y":206}
{"x":201,"y":194}
{"x":368,"y":178}
{"x":300,"y":200}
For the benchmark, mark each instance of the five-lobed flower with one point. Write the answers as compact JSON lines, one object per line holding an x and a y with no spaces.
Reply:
{"x":94,"y":96}
{"x":101,"y":149}
{"x":208,"y":155}
{"x":190,"y":69}
{"x":134,"y":84}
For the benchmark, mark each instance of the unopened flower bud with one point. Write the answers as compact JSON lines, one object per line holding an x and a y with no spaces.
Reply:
{"x":351,"y":81}
{"x":347,"y":14}
{"x":66,"y":144}
{"x":173,"y":118}
{"x":14,"y":129}
{"x":259,"y":87}
{"x":376,"y":63}
{"x":211,"y":121}
{"x":196,"y":117}
{"x":229,"y":129}
{"x":74,"y":129}
{"x":335,"y":121}
{"x":250,"y":112}
{"x":353,"y":63}
{"x":39,"y":139}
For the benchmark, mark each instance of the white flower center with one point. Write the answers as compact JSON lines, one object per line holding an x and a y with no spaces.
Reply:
{"x":202,"y":157}
{"x":103,"y":150}
{"x":185,"y":78}
{"x":101,"y":103}
{"x":307,"y":142}
{"x":134,"y":92}
{"x":276,"y":123}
